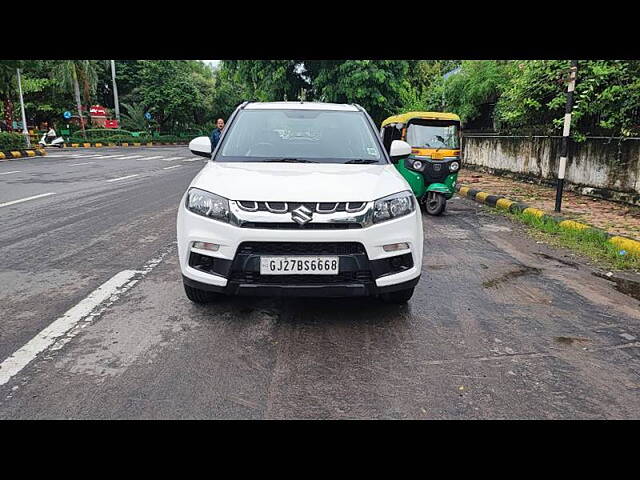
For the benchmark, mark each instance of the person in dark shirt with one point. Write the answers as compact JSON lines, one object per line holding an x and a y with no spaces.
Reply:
{"x":215,"y":135}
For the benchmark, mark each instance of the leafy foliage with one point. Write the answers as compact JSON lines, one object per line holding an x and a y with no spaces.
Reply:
{"x":521,"y":96}
{"x":12,"y":141}
{"x":133,"y":116}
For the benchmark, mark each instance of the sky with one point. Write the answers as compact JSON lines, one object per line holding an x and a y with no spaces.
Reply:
{"x":212,"y":62}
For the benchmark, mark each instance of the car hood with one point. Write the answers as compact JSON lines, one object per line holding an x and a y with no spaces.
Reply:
{"x":300,"y":182}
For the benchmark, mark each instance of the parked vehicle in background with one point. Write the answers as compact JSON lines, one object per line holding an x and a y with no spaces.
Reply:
{"x":51,"y":141}
{"x":433,"y":166}
{"x":299,"y":199}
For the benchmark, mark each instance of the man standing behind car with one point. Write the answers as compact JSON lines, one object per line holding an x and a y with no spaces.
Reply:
{"x":215,"y":135}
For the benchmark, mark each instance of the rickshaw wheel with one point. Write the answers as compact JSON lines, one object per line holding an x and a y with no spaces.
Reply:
{"x":435,"y":203}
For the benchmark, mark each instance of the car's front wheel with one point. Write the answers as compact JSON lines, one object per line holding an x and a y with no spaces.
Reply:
{"x":400,"y":296}
{"x":200,"y":296}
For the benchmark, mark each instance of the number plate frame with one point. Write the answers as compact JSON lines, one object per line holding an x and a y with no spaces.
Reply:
{"x":300,"y":265}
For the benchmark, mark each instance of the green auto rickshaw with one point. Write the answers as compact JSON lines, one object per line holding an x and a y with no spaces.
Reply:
{"x":432,"y":167}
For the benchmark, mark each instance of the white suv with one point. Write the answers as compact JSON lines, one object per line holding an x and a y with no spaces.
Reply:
{"x":299,"y":199}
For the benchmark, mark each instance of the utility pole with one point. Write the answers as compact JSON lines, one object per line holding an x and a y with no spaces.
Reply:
{"x":115,"y":91}
{"x":25,"y":131}
{"x":565,"y":134}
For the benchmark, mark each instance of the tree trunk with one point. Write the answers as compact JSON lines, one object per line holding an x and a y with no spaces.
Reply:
{"x":76,"y":90}
{"x":8,"y":113}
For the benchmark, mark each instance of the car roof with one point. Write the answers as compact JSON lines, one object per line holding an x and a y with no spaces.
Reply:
{"x":300,"y":106}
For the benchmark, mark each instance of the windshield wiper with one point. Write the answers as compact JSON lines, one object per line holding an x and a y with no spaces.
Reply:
{"x":289,"y":160}
{"x":362,"y":160}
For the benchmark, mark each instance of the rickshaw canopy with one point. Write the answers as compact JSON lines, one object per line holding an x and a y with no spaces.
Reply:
{"x":405,"y":117}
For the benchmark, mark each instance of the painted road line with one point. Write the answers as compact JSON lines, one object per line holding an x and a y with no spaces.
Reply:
{"x":84,"y":163}
{"x":131,"y":157}
{"x":169,"y":168}
{"x":153,"y":158}
{"x":108,"y":156}
{"x":13,"y":202}
{"x":7,"y":173}
{"x":191,"y":160}
{"x":62,"y":330}
{"x":171,"y":159}
{"x":122,"y":178}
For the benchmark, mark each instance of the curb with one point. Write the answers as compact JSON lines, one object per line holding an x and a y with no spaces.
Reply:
{"x":120,"y":144}
{"x":38,"y":152}
{"x":504,"y":203}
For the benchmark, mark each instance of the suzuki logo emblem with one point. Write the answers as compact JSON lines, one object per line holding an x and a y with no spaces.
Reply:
{"x":301,"y":215}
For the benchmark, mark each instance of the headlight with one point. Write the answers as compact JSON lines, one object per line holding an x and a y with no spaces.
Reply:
{"x":454,"y":166}
{"x":208,"y":204}
{"x":393,"y":206}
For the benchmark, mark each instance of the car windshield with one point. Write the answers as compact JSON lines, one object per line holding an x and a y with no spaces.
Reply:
{"x":430,"y":134}
{"x":307,"y":136}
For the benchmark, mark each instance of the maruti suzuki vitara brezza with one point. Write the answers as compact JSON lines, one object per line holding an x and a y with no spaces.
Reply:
{"x":299,"y":199}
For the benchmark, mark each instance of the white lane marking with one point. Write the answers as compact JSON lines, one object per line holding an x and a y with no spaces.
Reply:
{"x":85,"y":163}
{"x":130,"y":157}
{"x":13,"y":202}
{"x":62,"y":330}
{"x":171,"y":159}
{"x":122,"y":178}
{"x":7,"y":173}
{"x":107,"y":156}
{"x":191,"y":160}
{"x":169,"y":168}
{"x":153,"y":158}
{"x":22,"y":357}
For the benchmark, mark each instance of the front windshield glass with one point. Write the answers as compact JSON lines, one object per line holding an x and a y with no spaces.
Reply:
{"x":319,"y":136}
{"x":432,"y":134}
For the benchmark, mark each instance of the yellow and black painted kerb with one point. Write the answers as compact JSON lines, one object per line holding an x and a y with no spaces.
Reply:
{"x":13,"y":154}
{"x":119,"y":144}
{"x":496,"y":201}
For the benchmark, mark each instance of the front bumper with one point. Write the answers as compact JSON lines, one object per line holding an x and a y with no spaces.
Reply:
{"x":235,"y":270}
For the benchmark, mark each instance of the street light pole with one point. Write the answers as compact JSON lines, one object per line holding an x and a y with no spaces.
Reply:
{"x":115,"y":90}
{"x":25,"y":131}
{"x":565,"y":134}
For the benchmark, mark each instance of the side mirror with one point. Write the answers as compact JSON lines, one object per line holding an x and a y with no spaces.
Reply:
{"x":399,"y":150}
{"x":201,"y":146}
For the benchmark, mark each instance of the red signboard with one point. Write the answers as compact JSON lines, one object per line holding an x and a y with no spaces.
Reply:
{"x":111,"y":124}
{"x":97,"y":111}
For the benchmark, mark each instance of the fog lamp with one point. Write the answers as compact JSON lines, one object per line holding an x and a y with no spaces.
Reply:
{"x":212,"y":247}
{"x":394,"y":247}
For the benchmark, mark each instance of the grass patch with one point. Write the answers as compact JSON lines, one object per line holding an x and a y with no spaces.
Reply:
{"x":591,"y":243}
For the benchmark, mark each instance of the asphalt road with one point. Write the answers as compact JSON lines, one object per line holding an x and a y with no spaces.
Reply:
{"x":499,"y":327}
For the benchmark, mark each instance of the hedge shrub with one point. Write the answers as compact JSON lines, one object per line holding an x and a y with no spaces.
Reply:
{"x":12,"y":141}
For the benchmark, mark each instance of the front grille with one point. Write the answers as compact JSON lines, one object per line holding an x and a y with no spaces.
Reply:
{"x":359,"y":276}
{"x":301,"y":248}
{"x":288,"y":207}
{"x":296,"y":226}
{"x":432,"y":175}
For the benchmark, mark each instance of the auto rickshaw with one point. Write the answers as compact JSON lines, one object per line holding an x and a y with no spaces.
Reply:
{"x":432,"y":168}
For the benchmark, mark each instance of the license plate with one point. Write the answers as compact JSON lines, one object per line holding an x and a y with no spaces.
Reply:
{"x":299,"y":265}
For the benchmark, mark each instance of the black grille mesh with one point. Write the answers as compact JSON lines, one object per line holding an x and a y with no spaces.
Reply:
{"x":301,"y":248}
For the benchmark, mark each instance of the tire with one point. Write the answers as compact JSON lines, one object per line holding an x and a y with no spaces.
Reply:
{"x":400,"y":296}
{"x":435,"y":203}
{"x":200,"y":296}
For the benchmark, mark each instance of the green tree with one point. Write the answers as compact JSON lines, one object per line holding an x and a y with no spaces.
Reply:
{"x":73,"y":73}
{"x":8,"y":88}
{"x":476,"y":84}
{"x":268,"y":80}
{"x":374,"y":84}
{"x":170,"y":92}
{"x":133,"y":117}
